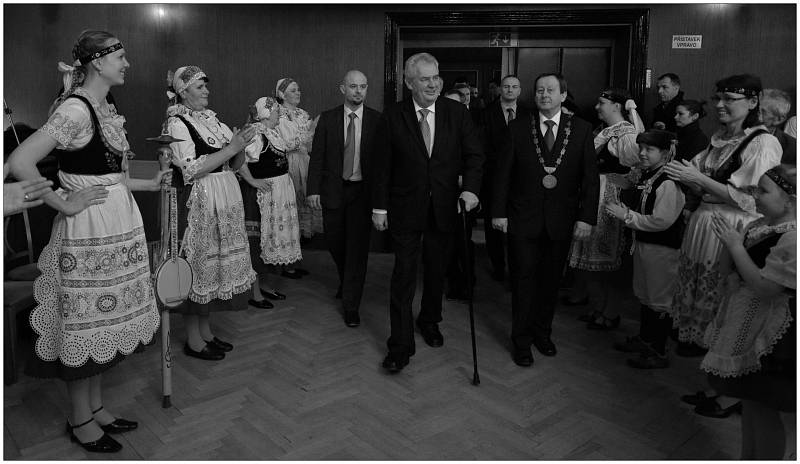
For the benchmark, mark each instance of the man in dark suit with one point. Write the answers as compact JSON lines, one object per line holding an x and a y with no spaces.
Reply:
{"x":338,"y":183}
{"x":546,"y":189}
{"x":425,"y":142}
{"x":670,"y":94}
{"x":497,"y":117}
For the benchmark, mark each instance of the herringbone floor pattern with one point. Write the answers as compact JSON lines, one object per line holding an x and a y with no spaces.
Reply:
{"x":299,"y":385}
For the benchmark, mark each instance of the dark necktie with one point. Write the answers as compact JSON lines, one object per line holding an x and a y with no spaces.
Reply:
{"x":549,"y":137}
{"x":349,"y":148}
{"x":511,"y":115}
{"x":425,"y":128}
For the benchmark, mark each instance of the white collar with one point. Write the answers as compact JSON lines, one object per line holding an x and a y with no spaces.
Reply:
{"x":556,"y":119}
{"x":431,"y":108}
{"x":359,"y":112}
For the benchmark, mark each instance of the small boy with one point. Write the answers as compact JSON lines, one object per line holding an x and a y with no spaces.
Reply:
{"x":656,"y":219}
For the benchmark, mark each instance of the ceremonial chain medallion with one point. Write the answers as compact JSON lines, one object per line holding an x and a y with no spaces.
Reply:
{"x":549,"y":181}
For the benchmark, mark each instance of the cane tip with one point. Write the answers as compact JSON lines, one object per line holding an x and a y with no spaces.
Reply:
{"x":166,"y":402}
{"x":476,"y":380}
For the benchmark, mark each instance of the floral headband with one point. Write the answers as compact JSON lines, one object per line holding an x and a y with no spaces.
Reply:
{"x":263,"y":107}
{"x":85,"y":59}
{"x":740,"y":90}
{"x":182,"y":78}
{"x":782,"y":182}
{"x":282,"y":85}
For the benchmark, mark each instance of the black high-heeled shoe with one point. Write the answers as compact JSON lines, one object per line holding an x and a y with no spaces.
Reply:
{"x":119,"y":425}
{"x":273,"y":294}
{"x":104,"y":444}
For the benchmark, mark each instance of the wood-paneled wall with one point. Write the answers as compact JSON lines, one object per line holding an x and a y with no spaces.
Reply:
{"x":246,"y":48}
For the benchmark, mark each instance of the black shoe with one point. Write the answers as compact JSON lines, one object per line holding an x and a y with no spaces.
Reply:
{"x":118,"y":426}
{"x":291,"y":275}
{"x":545,"y":346}
{"x":582,"y":302}
{"x":104,"y":444}
{"x":633,"y":344}
{"x":208,"y":353}
{"x":220,"y":345}
{"x":301,"y":271}
{"x":394,"y":363}
{"x":339,"y":293}
{"x":263,"y":304}
{"x":351,"y":319}
{"x":603,"y":323}
{"x":460,"y":297}
{"x":273,"y":294}
{"x":431,"y":334}
{"x":523,"y":357}
{"x":690,"y":350}
{"x":710,"y":408}
{"x":697,"y":398}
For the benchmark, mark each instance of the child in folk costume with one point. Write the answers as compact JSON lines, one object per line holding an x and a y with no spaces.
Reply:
{"x":656,"y":219}
{"x":270,"y":207}
{"x":751,"y":339}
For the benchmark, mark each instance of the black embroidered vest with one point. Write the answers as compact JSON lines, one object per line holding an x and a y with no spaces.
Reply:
{"x":95,"y":159}
{"x":673,"y":235}
{"x":200,"y":148}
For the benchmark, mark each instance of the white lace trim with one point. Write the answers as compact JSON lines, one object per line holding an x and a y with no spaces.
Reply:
{"x":74,"y":348}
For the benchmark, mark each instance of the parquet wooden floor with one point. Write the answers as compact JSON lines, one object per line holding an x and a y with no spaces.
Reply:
{"x":299,"y":385}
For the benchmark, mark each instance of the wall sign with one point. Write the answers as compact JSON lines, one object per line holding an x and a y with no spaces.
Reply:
{"x":500,"y":39}
{"x":687,"y":41}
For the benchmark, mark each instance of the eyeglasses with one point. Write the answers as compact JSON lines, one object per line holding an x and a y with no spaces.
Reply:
{"x":726,"y":100}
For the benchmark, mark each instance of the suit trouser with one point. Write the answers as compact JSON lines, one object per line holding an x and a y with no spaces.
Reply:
{"x":434,"y":245}
{"x":495,"y":245}
{"x":347,"y":233}
{"x":536,"y":265}
{"x":458,"y":265}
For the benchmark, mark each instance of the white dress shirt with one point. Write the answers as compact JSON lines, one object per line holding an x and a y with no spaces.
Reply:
{"x":543,"y":127}
{"x":357,"y":122}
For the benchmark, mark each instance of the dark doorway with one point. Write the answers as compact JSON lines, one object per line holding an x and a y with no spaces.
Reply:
{"x":478,"y":65}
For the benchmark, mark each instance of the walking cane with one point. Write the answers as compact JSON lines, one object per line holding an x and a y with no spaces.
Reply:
{"x":476,"y":380}
{"x":7,"y":111}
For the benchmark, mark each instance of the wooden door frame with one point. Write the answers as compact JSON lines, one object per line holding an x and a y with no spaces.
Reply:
{"x":637,"y":19}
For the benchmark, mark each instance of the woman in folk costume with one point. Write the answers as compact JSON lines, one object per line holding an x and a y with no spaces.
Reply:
{"x":270,"y":208}
{"x":214,"y":240}
{"x":297,"y":130}
{"x":723,"y":175}
{"x":95,"y":301}
{"x":595,"y":258}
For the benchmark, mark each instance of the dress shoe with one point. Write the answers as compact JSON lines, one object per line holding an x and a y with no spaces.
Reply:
{"x":104,"y":444}
{"x":431,"y":334}
{"x":697,"y":398}
{"x":220,"y":345}
{"x":118,"y":426}
{"x":273,"y":294}
{"x":263,"y":304}
{"x":394,"y":363}
{"x":291,"y":275}
{"x":710,"y":408}
{"x":545,"y":346}
{"x":690,"y":350}
{"x":633,"y":344}
{"x":351,"y":319}
{"x":208,"y":353}
{"x":603,"y":323}
{"x":523,"y":357}
{"x":566,"y":301}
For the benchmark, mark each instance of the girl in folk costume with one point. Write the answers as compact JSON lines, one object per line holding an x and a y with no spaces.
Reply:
{"x":270,"y":208}
{"x":739,"y":154}
{"x":95,"y":301}
{"x":752,"y":353}
{"x":596,"y":257}
{"x":214,"y":239}
{"x":655,"y":215}
{"x":296,"y":128}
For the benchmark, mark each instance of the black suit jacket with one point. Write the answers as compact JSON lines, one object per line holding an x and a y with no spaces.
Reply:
{"x":327,"y":155}
{"x":519,"y":194}
{"x":495,"y":137}
{"x":407,"y":180}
